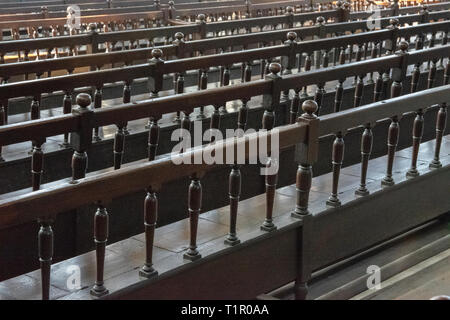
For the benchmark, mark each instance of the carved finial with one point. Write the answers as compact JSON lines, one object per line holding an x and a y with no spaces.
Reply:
{"x":346,"y":5}
{"x":274,"y":68}
{"x":179,"y":36}
{"x":309,"y":107}
{"x":320,"y":20}
{"x":171,"y":4}
{"x":425,"y":7}
{"x":403,"y":46}
{"x":201,"y":18}
{"x":339,"y":4}
{"x":393,"y":22}
{"x":83,"y":100}
{"x":289,"y":9}
{"x":157,"y":53}
{"x":44,"y":9}
{"x":291,"y":35}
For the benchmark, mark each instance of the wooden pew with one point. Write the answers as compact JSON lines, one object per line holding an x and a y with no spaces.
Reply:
{"x":99,"y":188}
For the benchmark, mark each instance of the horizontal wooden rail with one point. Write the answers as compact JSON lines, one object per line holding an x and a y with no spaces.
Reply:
{"x":66,"y":195}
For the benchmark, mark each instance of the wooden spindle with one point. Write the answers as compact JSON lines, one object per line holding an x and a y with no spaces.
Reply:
{"x":119,"y":144}
{"x":447,"y":72}
{"x":179,"y":88}
{"x":378,"y":87}
{"x":35,"y":109}
{"x":67,"y":108}
{"x":81,"y":140}
{"x":432,"y":74}
{"x":271,"y":184}
{"x":45,"y":243}
{"x":337,"y":157}
{"x":203,"y":86}
{"x":234,"y":188}
{"x":304,"y":170}
{"x":37,"y":161}
{"x":153,"y":138}
{"x":392,"y":141}
{"x":194,"y":204}
{"x":308,"y":62}
{"x":366,"y":150}
{"x":358,"y":91}
{"x":441,"y":120}
{"x":417,"y":134}
{"x":126,"y":99}
{"x":97,"y":105}
{"x":295,"y":104}
{"x":415,"y":76}
{"x":150,"y":218}
{"x":101,"y":222}
{"x":339,"y":95}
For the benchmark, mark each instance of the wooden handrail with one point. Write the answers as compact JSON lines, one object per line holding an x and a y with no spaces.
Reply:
{"x":66,"y":195}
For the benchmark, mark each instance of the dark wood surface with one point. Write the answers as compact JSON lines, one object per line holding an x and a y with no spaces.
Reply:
{"x":124,"y":257}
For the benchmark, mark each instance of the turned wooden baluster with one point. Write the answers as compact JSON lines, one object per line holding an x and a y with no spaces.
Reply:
{"x":37,"y":161}
{"x":179,"y":88}
{"x":101,"y":222}
{"x":304,"y":170}
{"x":337,"y":157}
{"x":295,"y":104}
{"x":153,"y":138}
{"x":308,"y":62}
{"x":378,"y":87}
{"x":194,"y":203}
{"x":203,"y":84}
{"x":340,"y":85}
{"x":35,"y":109}
{"x":150,"y":205}
{"x":417,"y":134}
{"x":358,"y":58}
{"x":443,"y":42}
{"x":441,"y":120}
{"x":447,"y":72}
{"x":415,"y":75}
{"x":393,"y":134}
{"x":271,"y":184}
{"x":234,"y":188}
{"x":126,"y":99}
{"x":320,"y":91}
{"x":97,"y":105}
{"x":119,"y":144}
{"x":150,"y":218}
{"x":432,"y":74}
{"x":80,"y":141}
{"x":359,"y":91}
{"x":366,"y":150}
{"x":268,"y":122}
{"x":67,"y":108}
{"x":45,"y":244}
{"x":373,"y":55}
{"x":234,"y":184}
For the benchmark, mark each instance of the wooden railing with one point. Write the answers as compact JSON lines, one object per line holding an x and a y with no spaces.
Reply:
{"x":99,"y":188}
{"x":291,"y":53}
{"x":181,"y":49}
{"x":122,"y":19}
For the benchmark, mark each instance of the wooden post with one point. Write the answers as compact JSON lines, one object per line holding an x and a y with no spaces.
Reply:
{"x":101,"y":237}
{"x":150,"y":218}
{"x":305,"y":156}
{"x":366,"y":150}
{"x":82,"y":139}
{"x":441,"y":120}
{"x":195,"y":202}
